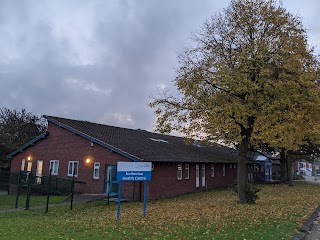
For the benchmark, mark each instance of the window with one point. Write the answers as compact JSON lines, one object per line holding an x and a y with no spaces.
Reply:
{"x":234,"y":166}
{"x":179,"y":173}
{"x":39,"y":168}
{"x":54,"y":166}
{"x":39,"y":172}
{"x":159,"y":140}
{"x":203,"y":175}
{"x":96,"y":170}
{"x":187,"y":171}
{"x":212,"y":170}
{"x":230,"y":165}
{"x":223,"y":170}
{"x":73,"y":168}
{"x":29,"y":166}
{"x":23,"y":163}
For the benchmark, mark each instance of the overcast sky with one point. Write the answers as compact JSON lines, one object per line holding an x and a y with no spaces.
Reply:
{"x":101,"y":60}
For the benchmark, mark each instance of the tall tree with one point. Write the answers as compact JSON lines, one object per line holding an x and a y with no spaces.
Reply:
{"x":17,"y":128}
{"x":249,"y":73}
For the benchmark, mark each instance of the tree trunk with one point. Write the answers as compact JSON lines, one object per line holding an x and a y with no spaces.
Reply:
{"x":282,"y":167}
{"x":289,"y":170}
{"x":242,"y":171}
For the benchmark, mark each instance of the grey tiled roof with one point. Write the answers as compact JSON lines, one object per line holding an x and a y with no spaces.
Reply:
{"x":147,"y":146}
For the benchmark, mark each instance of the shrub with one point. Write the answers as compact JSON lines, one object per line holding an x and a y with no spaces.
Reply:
{"x":251,"y":192}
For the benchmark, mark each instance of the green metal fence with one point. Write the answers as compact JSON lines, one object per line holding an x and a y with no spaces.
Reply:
{"x":32,"y":184}
{"x":4,"y":179}
{"x":57,"y":186}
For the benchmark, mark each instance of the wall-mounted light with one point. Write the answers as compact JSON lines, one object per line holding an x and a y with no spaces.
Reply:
{"x":88,"y":160}
{"x":29,"y":158}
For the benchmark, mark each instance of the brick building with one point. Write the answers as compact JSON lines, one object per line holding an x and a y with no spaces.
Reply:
{"x":91,"y":151}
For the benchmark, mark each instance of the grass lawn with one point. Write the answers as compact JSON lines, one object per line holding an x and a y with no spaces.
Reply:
{"x":9,"y":201}
{"x":207,"y":215}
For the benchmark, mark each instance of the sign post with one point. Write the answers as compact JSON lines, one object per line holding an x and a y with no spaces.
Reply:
{"x":134,"y":171}
{"x":145,"y":200}
{"x":119,"y":201}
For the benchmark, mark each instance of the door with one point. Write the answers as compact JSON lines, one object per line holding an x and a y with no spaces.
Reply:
{"x":197,"y":175}
{"x":268,"y":173}
{"x":111,"y":183}
{"x":203,"y":175}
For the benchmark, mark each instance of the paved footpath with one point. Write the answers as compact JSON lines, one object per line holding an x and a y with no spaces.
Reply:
{"x":3,"y":192}
{"x":314,"y":233}
{"x":83,"y":198}
{"x":312,"y":179}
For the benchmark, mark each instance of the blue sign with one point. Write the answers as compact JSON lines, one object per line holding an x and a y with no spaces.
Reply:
{"x":133,"y":176}
{"x":134,"y":171}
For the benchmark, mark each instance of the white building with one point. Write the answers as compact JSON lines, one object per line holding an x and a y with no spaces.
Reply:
{"x":304,"y":168}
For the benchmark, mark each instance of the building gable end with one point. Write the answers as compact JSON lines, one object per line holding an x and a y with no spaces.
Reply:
{"x":94,"y":140}
{"x":31,"y":143}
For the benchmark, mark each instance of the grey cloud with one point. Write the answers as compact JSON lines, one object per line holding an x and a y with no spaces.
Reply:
{"x":94,"y":60}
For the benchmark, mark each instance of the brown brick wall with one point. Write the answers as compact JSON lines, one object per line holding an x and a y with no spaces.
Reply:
{"x":219,"y":180}
{"x":65,"y":146}
{"x":166,"y":184}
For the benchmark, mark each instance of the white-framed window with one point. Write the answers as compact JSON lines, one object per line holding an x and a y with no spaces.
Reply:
{"x":179,"y":173}
{"x":212,"y":170}
{"x":54,"y":166}
{"x":223,"y":170}
{"x":203,"y":175}
{"x":73,"y":168}
{"x":29,"y":166}
{"x":23,"y":164}
{"x":96,"y":170}
{"x":39,"y":168}
{"x":187,"y":169}
{"x":230,"y":165}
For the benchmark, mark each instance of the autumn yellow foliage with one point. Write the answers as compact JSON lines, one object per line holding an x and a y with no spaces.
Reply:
{"x":250,"y":80}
